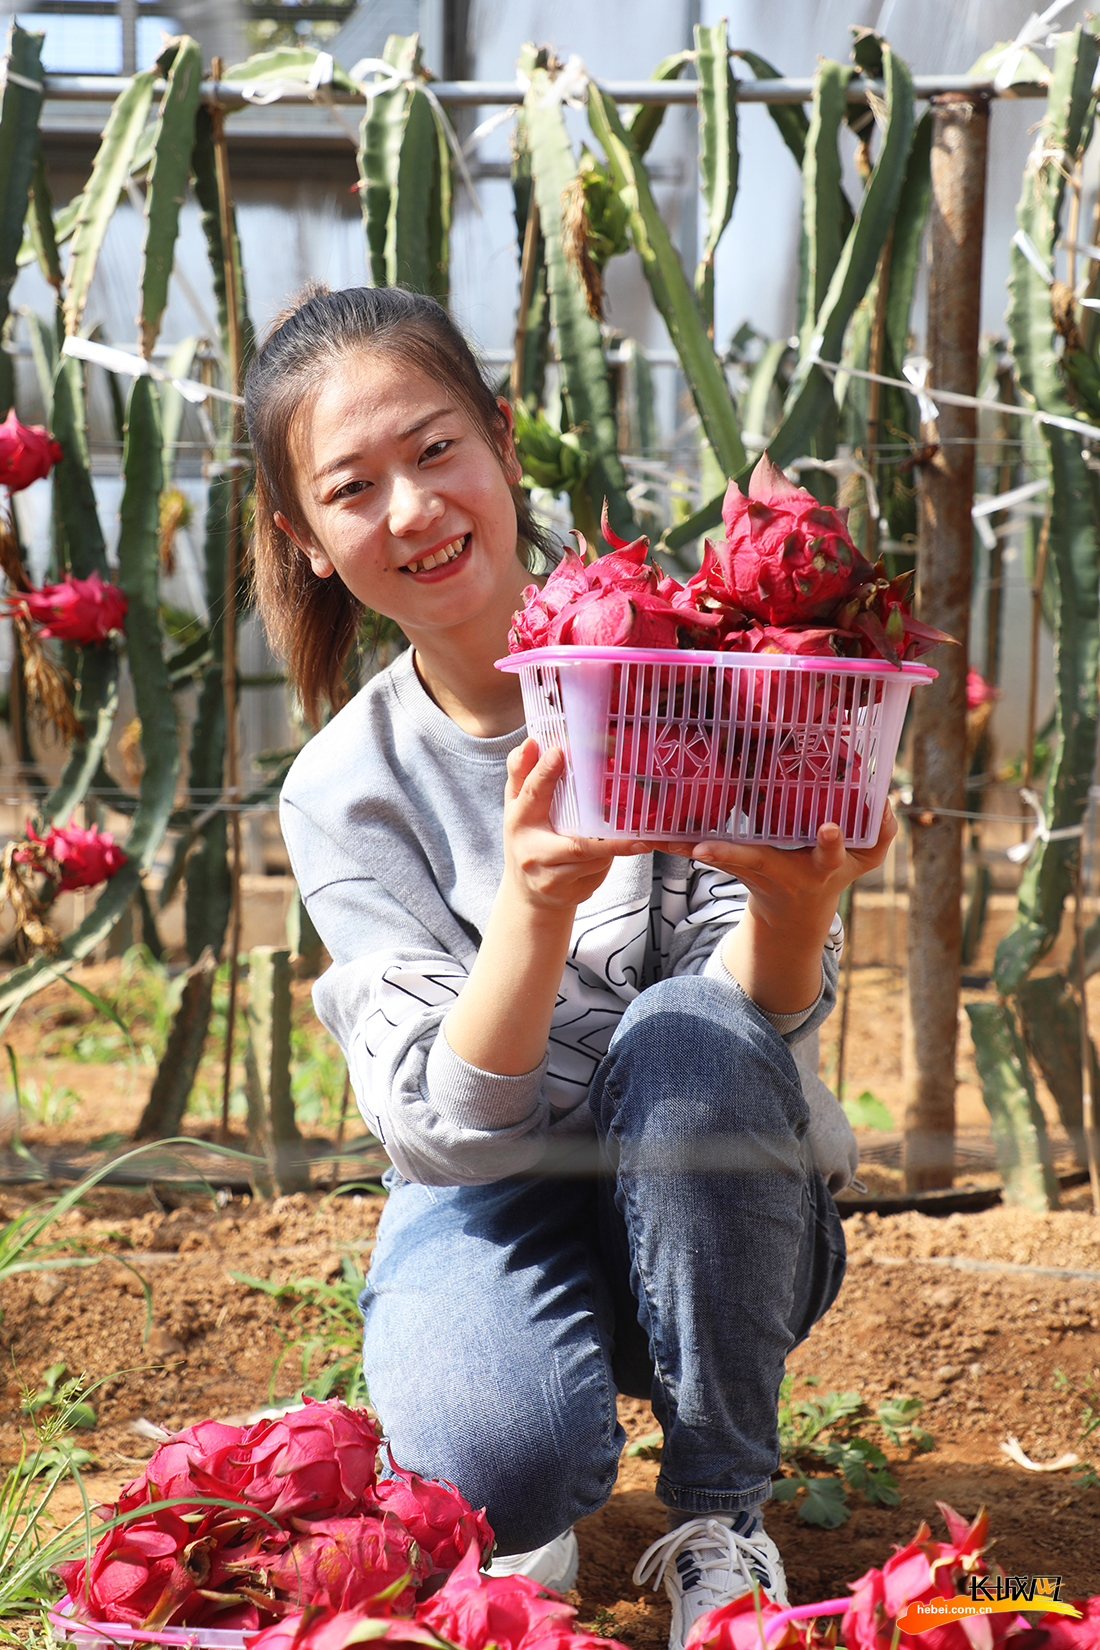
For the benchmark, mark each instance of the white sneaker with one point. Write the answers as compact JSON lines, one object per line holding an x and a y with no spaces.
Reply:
{"x":554,"y":1565}
{"x":706,"y":1562}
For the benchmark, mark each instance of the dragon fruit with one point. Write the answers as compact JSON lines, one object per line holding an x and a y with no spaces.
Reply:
{"x":618,"y":600}
{"x":440,"y":1520}
{"x":876,"y":615}
{"x":482,"y":1611}
{"x":786,"y":559}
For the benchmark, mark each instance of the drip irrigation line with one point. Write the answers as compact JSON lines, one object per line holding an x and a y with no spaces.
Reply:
{"x":963,"y":1263}
{"x":954,"y":1201}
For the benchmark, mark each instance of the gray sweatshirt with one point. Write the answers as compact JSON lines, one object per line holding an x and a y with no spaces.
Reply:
{"x":392,"y":819}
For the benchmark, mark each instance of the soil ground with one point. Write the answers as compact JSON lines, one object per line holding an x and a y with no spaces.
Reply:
{"x":989,"y":1318}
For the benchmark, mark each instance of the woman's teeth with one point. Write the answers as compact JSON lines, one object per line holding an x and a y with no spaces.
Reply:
{"x":438,"y":557}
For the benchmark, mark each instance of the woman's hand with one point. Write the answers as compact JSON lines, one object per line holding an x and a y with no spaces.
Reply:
{"x":783,"y":881}
{"x":548,"y":871}
{"x":775,"y":952}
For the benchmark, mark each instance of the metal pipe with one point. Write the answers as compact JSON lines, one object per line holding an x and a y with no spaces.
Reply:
{"x":79,"y":88}
{"x":946,"y":492}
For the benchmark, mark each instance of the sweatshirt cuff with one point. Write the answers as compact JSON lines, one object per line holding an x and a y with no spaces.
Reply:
{"x":476,"y":1099}
{"x":785,"y":1024}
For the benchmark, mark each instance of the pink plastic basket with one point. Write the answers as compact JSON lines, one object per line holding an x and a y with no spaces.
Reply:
{"x":106,"y":1635}
{"x":684,"y":745}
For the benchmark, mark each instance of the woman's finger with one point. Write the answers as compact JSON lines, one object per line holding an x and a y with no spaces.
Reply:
{"x":829,"y":852}
{"x":534,"y":791}
{"x":521,"y":764}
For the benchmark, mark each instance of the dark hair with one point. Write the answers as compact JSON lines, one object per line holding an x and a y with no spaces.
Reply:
{"x":315,"y":622}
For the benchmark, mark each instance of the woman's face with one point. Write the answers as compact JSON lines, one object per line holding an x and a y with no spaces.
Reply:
{"x":402,"y":496}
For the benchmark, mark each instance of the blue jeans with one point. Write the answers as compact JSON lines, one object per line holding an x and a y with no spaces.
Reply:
{"x":502,"y":1320}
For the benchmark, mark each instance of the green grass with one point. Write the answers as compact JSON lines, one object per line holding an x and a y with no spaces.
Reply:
{"x":327,"y":1338}
{"x":1086,"y":1389}
{"x":27,"y":1549}
{"x":143,"y":1005}
{"x":44,"y":1103}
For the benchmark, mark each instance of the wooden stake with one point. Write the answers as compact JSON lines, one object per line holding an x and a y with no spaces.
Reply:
{"x":229,"y":628}
{"x":1088,"y":1085}
{"x":846,"y":990}
{"x":526,"y":290}
{"x":939,"y":761}
{"x":874,"y":389}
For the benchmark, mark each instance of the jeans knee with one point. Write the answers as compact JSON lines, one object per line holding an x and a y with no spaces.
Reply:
{"x":533,"y":1481}
{"x":690,"y":1057}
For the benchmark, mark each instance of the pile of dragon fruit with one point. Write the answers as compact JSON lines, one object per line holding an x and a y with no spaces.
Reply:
{"x":284,"y":1534}
{"x":688,"y":745}
{"x":241,"y":1527}
{"x":785,"y":579}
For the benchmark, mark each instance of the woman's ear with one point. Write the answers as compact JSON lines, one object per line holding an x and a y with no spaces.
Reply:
{"x":318,"y":560}
{"x":513,"y":469}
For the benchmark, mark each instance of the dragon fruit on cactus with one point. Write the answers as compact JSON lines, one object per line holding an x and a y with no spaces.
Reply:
{"x":787,"y":559}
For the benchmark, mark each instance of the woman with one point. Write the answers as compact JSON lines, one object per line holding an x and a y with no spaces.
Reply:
{"x":607,"y":1177}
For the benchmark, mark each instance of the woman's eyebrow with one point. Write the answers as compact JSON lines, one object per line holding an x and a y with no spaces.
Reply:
{"x":415,"y":429}
{"x":404,"y":435}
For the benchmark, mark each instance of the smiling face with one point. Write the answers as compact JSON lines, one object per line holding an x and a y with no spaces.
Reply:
{"x":402,"y":496}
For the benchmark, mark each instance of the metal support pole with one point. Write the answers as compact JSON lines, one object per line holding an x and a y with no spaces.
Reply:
{"x":960,"y":130}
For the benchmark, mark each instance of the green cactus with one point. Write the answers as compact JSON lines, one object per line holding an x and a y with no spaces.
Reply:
{"x":1074,"y":509}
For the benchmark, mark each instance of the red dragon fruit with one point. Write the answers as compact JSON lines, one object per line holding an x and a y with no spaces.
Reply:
{"x":876,"y":615}
{"x":440,"y":1520}
{"x":787,"y":559}
{"x":618,"y":600}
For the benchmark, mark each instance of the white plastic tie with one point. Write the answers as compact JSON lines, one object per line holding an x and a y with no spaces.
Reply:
{"x":1005,"y":501}
{"x":135,"y":366}
{"x":1083,"y":247}
{"x":1014,"y":1450}
{"x":1035,"y":32}
{"x":570,"y":85}
{"x":8,"y":77}
{"x":324,"y":67}
{"x":498,"y":118}
{"x":1021,"y":851}
{"x":1024,"y":243}
{"x":915,"y":369}
{"x":268,"y":91}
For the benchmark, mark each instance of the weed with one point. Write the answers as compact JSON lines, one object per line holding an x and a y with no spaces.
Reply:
{"x":866,"y":1111}
{"x":135,"y":1023}
{"x":1086,"y":1475}
{"x":56,"y":1392}
{"x":328,"y":1331}
{"x":604,"y":1624}
{"x":44,"y":1104}
{"x":647,"y":1448}
{"x":27,"y":1554}
{"x":826,"y":1432}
